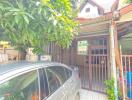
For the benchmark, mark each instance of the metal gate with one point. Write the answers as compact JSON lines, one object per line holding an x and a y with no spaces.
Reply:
{"x":94,"y":66}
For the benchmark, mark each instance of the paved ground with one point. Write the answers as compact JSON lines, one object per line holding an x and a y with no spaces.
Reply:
{"x":88,"y":95}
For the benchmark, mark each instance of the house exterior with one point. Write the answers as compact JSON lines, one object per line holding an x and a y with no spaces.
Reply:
{"x":7,"y":52}
{"x":96,"y":49}
{"x":90,"y":9}
{"x":109,"y":48}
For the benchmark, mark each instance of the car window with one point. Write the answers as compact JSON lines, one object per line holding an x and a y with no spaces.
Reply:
{"x":53,"y":81}
{"x":44,"y":92}
{"x":23,"y":87}
{"x":68,"y":73}
{"x":56,"y":77}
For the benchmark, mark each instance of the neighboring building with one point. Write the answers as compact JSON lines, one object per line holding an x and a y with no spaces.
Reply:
{"x":90,"y":9}
{"x":7,"y":52}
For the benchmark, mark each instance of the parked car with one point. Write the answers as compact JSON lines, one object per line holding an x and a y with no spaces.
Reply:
{"x":38,"y":81}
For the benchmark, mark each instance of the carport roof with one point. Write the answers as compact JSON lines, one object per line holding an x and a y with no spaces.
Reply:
{"x":124,"y":24}
{"x":94,"y":26}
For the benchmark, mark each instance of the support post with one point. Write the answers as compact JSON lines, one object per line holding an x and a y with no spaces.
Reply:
{"x":112,"y":59}
{"x":122,"y":76}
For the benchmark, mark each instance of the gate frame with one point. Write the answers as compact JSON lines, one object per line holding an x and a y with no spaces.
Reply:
{"x":89,"y":37}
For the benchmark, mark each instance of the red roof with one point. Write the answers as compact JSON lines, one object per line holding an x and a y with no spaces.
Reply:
{"x":126,"y":9}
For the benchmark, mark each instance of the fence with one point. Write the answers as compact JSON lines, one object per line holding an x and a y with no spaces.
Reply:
{"x":127,"y":70}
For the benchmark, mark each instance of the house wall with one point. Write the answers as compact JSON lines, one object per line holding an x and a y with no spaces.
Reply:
{"x":13,"y":54}
{"x":93,"y":12}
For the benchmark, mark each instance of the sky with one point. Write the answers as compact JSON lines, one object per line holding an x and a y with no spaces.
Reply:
{"x":106,"y":4}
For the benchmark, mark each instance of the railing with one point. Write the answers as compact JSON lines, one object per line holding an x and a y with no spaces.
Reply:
{"x":127,"y":71}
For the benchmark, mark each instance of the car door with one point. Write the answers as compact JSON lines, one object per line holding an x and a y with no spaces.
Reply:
{"x":56,"y":83}
{"x":22,"y":87}
{"x":70,"y":84}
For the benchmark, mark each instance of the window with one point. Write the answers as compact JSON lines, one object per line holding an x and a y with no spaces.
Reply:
{"x":53,"y":81}
{"x":82,"y":47}
{"x":87,"y":9}
{"x":43,"y":84}
{"x":68,"y":73}
{"x":24,"y":87}
{"x":56,"y":77}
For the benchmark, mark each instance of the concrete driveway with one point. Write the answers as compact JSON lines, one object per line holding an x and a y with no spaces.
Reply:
{"x":89,"y":95}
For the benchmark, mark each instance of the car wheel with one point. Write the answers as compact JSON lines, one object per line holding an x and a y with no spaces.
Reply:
{"x":77,"y":97}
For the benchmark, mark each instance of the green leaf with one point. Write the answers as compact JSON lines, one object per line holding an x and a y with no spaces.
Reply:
{"x":26,"y":19}
{"x":29,"y":15}
{"x":17,"y":19}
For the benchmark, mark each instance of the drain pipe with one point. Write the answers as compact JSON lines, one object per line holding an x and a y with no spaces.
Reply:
{"x":112,"y":59}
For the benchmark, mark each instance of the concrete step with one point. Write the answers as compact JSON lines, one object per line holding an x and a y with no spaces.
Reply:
{"x":89,"y":95}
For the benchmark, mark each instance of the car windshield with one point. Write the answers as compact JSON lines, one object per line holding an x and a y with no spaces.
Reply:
{"x":19,"y":88}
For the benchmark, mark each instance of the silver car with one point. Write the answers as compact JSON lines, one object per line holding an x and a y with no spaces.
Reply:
{"x":38,"y":81}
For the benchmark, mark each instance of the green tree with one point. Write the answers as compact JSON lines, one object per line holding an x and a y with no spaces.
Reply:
{"x":127,"y":1}
{"x":130,"y":1}
{"x":34,"y":23}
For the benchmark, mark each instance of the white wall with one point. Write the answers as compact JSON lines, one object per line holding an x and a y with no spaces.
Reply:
{"x":91,"y":14}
